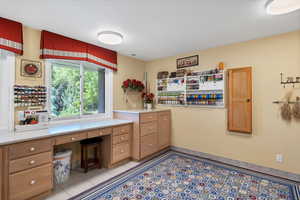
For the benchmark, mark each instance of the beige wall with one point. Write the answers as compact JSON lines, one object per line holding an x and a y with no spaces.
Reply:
{"x":204,"y":130}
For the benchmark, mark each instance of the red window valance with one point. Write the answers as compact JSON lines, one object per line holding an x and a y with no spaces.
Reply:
{"x":11,"y":36}
{"x":54,"y":46}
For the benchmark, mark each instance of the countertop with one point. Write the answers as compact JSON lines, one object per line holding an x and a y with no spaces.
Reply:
{"x":7,"y":137}
{"x":142,"y":110}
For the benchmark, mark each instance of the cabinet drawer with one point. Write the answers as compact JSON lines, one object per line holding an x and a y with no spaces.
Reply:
{"x":121,"y":130}
{"x":29,"y":148}
{"x":148,"y":128}
{"x":30,"y":162}
{"x":70,"y":138}
{"x":29,"y":183}
{"x":120,"y":152}
{"x":120,"y":138}
{"x":148,"y":145}
{"x":148,"y":117}
{"x":99,"y":132}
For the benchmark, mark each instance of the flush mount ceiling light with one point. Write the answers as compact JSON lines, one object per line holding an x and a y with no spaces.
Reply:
{"x":280,"y":7}
{"x":110,"y":37}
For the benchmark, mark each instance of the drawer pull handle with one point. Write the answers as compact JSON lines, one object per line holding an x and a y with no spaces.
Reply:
{"x":150,"y":145}
{"x":73,"y":138}
{"x":32,"y":149}
{"x":31,"y":162}
{"x":32,"y":182}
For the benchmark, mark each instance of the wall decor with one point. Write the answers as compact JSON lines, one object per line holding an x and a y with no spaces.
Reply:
{"x":30,"y":68}
{"x":187,"y":61}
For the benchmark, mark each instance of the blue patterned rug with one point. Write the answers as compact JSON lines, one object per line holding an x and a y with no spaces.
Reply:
{"x":174,"y":176}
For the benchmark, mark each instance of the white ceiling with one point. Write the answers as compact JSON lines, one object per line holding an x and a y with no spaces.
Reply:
{"x":153,"y":28}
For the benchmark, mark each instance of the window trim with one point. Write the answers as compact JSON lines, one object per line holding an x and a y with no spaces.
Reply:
{"x":81,"y":116}
{"x":10,"y":71}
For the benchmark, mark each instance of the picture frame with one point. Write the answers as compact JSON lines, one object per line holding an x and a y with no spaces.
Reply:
{"x":189,"y":61}
{"x":31,"y":68}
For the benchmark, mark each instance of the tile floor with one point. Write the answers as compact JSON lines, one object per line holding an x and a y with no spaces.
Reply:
{"x":80,"y":181}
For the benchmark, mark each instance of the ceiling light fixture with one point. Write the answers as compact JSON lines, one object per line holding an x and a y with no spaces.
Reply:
{"x":110,"y":37}
{"x":280,"y":7}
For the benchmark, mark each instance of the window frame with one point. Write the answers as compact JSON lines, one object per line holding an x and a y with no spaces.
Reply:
{"x":81,"y":117}
{"x":7,"y":93}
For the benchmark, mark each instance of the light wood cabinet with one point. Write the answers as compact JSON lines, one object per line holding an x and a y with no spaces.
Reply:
{"x":29,"y":183}
{"x":121,"y":143}
{"x":1,"y":172}
{"x":29,"y":148}
{"x":71,"y":138}
{"x":26,"y":170}
{"x":240,"y":100}
{"x":164,"y":129}
{"x":151,"y":131}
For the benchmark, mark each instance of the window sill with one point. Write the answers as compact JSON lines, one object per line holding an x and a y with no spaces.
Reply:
{"x":88,"y":118}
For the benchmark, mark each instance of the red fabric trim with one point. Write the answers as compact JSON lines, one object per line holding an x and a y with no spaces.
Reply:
{"x":62,"y":57}
{"x":17,"y":51}
{"x":53,"y":41}
{"x":104,"y":65}
{"x":13,"y":31}
{"x":59,"y":42}
{"x":102,"y":53}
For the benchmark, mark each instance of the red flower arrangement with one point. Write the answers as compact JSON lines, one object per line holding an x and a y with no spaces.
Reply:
{"x":148,"y":97}
{"x":133,"y":84}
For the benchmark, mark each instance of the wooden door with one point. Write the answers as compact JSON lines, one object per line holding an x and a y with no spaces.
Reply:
{"x":240,"y":100}
{"x":164,"y":129}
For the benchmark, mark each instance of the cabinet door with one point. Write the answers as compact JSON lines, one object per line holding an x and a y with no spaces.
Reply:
{"x":164,"y":129}
{"x":240,"y":100}
{"x":1,"y":171}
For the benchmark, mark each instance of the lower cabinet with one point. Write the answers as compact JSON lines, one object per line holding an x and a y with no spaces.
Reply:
{"x":26,"y":169}
{"x":29,"y":183}
{"x":149,"y":144}
{"x":121,"y":143}
{"x":1,"y":173}
{"x":164,"y":130}
{"x":151,"y":131}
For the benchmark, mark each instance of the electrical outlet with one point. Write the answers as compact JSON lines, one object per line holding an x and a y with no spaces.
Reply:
{"x":279,"y":158}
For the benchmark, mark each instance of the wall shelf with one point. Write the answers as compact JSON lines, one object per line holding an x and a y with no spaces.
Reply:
{"x":205,"y":89}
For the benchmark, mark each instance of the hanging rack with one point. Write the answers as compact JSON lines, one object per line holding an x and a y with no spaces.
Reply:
{"x":289,"y":102}
{"x":288,"y":81}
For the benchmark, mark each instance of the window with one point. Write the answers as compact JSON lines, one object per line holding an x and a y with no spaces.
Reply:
{"x":77,"y":90}
{"x":7,"y":74}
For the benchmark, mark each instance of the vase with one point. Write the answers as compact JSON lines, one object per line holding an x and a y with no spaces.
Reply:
{"x":149,"y":106}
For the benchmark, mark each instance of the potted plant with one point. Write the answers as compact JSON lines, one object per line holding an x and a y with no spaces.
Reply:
{"x":148,"y":99}
{"x":133,"y":84}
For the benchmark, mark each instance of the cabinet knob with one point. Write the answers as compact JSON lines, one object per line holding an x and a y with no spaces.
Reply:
{"x":31,"y":162}
{"x":73,"y":138}
{"x":122,"y":151}
{"x":32,"y":182}
{"x":32,"y":149}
